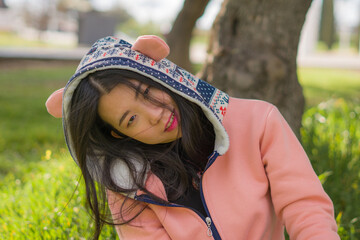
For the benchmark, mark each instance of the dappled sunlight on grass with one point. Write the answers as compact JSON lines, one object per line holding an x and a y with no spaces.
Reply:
{"x":45,"y":202}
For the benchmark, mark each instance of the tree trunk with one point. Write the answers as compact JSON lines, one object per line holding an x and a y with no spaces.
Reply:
{"x":252,"y":53}
{"x":180,"y":35}
{"x":327,"y":24}
{"x":3,"y":4}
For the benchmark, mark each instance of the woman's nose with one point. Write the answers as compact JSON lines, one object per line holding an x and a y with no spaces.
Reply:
{"x":154,"y":114}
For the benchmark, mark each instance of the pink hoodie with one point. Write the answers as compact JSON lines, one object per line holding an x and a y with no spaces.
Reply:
{"x":258,"y":179}
{"x":263,"y":182}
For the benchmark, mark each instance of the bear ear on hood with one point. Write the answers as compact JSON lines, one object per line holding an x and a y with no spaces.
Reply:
{"x":149,"y":45}
{"x":54,"y":103}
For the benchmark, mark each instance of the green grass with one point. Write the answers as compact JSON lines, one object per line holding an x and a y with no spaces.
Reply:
{"x":36,"y":205}
{"x":26,"y":128}
{"x":320,"y":84}
{"x":38,"y":177}
{"x":10,"y":39}
{"x":331,"y":137}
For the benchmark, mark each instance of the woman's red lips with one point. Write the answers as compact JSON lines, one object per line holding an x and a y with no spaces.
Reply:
{"x":171,"y":123}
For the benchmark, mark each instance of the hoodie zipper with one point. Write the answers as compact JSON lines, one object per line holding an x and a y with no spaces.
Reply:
{"x":207,"y":220}
{"x":211,"y":229}
{"x":208,"y":223}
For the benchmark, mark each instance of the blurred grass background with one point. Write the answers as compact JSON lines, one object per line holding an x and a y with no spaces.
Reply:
{"x":38,"y":178}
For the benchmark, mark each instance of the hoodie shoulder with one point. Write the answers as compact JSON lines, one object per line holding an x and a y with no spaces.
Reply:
{"x":248,"y":106}
{"x":247,"y":113}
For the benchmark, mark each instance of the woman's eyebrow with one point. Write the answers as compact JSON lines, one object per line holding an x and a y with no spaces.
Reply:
{"x":123,"y":117}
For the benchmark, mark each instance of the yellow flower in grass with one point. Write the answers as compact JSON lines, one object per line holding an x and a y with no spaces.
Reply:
{"x":354,"y":186}
{"x":47,"y":155}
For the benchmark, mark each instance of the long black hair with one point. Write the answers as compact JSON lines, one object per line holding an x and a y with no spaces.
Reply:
{"x":97,"y":150}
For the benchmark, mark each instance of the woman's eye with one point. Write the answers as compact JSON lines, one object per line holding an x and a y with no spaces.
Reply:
{"x":147,"y":90}
{"x":131,"y":120}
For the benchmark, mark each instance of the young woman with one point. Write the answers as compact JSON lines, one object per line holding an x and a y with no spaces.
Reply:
{"x":176,"y":158}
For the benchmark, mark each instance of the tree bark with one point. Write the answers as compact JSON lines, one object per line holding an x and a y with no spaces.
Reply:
{"x":252,"y":53}
{"x":180,"y":35}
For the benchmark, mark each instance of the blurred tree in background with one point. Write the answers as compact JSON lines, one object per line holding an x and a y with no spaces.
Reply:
{"x":2,"y":4}
{"x":327,"y":23}
{"x":179,"y":37}
{"x":252,"y":53}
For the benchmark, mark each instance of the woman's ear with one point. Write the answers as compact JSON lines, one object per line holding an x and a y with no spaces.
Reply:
{"x":115,"y":135}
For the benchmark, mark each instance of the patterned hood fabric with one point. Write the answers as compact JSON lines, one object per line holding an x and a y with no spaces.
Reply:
{"x":114,"y":53}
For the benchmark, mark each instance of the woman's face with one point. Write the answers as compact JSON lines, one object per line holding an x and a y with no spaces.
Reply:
{"x":138,"y":117}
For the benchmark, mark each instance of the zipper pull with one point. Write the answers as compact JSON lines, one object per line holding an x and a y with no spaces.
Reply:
{"x":208,"y":223}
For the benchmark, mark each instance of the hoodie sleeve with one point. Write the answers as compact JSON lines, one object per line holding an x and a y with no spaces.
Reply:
{"x":145,"y":226}
{"x":296,"y":192}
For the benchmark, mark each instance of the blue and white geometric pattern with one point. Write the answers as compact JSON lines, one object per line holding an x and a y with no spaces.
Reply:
{"x":111,"y":52}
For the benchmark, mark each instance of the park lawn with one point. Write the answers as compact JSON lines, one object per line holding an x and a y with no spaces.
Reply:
{"x":26,"y":128}
{"x":320,"y":84}
{"x":11,"y":39}
{"x":38,"y":194}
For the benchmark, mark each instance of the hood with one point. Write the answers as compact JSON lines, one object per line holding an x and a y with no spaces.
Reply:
{"x":115,"y":53}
